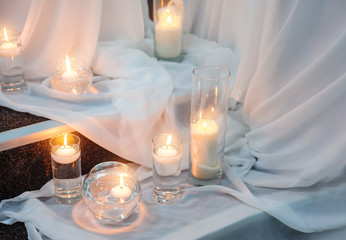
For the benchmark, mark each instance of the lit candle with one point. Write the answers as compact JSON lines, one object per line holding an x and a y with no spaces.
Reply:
{"x":65,"y":154}
{"x":8,"y":48}
{"x":121,"y":192}
{"x":69,"y":73}
{"x":168,"y":33}
{"x":167,"y":159}
{"x":205,"y":164}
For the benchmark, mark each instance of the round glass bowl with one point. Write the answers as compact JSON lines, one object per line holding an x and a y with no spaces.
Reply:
{"x":74,"y":77}
{"x":111,"y":191}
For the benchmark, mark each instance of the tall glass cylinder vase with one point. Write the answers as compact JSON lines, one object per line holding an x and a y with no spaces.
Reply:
{"x":168,"y":29}
{"x":209,"y":107}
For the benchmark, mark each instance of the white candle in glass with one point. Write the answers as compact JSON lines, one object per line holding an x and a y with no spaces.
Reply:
{"x":205,"y":163}
{"x":168,"y":33}
{"x":8,"y":48}
{"x":69,"y":73}
{"x":167,"y":159}
{"x":121,"y":192}
{"x":65,"y":154}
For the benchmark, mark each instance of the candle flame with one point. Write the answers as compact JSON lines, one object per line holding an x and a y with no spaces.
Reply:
{"x":200,"y":114}
{"x":216,"y":92}
{"x":65,"y":140}
{"x":68,"y":65}
{"x":169,"y":19}
{"x":212,"y":109}
{"x":121,"y":181}
{"x":169,"y":140}
{"x":5,"y":34}
{"x":204,"y":124}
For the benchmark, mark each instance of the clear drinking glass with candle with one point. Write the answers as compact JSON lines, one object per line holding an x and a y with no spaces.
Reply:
{"x":66,"y":167}
{"x":72,"y":76}
{"x":209,"y":107}
{"x":167,"y":153}
{"x":168,"y":29}
{"x":11,"y":63}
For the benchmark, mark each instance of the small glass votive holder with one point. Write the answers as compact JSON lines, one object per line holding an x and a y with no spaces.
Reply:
{"x":111,"y":192}
{"x":168,"y":30}
{"x":167,"y":155}
{"x":209,"y":108}
{"x":66,"y":167}
{"x":11,"y":63}
{"x":72,"y":76}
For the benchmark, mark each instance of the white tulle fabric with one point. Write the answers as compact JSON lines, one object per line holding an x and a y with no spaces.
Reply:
{"x":285,"y":135}
{"x":295,"y":100}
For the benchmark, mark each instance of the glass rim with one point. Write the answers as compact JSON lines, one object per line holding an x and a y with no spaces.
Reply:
{"x":62,"y":134}
{"x":111,"y":164}
{"x":199,"y":68}
{"x":180,"y":141}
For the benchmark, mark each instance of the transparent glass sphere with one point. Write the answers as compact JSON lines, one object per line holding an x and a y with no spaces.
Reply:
{"x":111,"y":192}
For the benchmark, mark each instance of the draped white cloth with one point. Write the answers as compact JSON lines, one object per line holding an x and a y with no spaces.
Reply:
{"x":287,"y":61}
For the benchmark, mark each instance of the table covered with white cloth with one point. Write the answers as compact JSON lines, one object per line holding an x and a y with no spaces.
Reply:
{"x":285,"y":136}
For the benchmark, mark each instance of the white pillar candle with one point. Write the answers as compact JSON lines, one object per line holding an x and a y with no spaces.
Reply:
{"x":167,"y":159}
{"x":9,"y":48}
{"x":205,"y":163}
{"x":168,"y":34}
{"x":65,"y":154}
{"x":121,"y":192}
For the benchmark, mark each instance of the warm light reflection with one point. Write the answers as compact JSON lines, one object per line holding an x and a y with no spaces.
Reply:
{"x":169,"y":18}
{"x":204,"y":124}
{"x":85,"y":219}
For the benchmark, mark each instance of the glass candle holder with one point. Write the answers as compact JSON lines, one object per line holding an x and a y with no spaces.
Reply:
{"x":168,"y":22}
{"x":72,"y":76}
{"x":209,"y":107}
{"x":66,"y":167}
{"x":166,"y":152}
{"x":11,"y":63}
{"x":111,"y":192}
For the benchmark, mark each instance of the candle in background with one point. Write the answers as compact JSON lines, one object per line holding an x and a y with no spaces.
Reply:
{"x":205,"y":163}
{"x":66,"y":167}
{"x":7,"y":44}
{"x":72,"y":76}
{"x":167,"y":155}
{"x":11,"y":66}
{"x":121,"y":192}
{"x":168,"y":30}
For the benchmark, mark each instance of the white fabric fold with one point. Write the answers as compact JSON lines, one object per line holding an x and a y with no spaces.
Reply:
{"x":285,"y":141}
